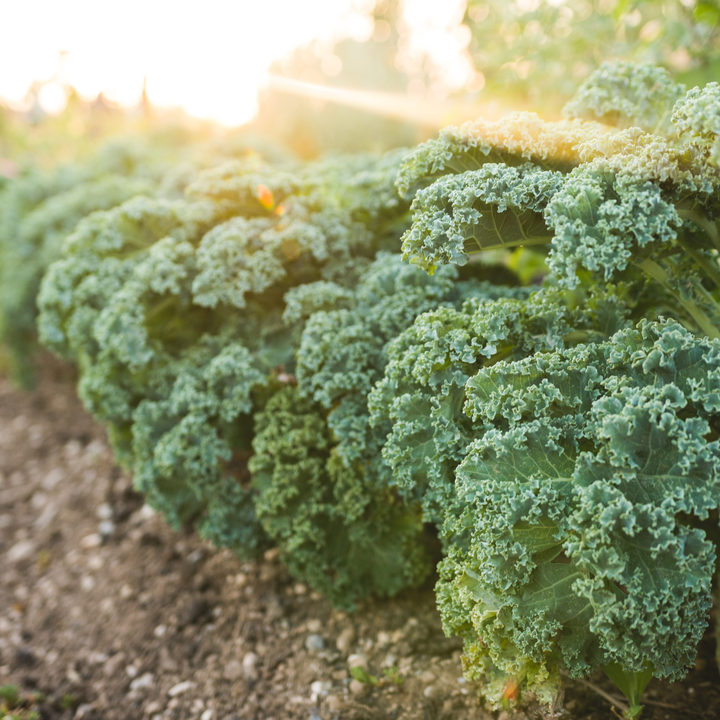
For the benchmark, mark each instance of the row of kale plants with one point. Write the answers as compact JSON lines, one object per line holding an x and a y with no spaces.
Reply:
{"x":508,"y":337}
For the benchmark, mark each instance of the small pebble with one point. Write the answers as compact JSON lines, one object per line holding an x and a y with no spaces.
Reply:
{"x":249,"y":665}
{"x":428,"y":677}
{"x":334,"y":704}
{"x":389,"y":661}
{"x":20,"y":551}
{"x":153,"y":707}
{"x":321,"y":687}
{"x":106,"y":528}
{"x":314,"y":626}
{"x":145,"y":680}
{"x":160,"y":631}
{"x":95,"y":561}
{"x":91,"y":541}
{"x":430,"y":691}
{"x":345,"y":640}
{"x":38,"y":500}
{"x":180,"y":688}
{"x":104,"y":512}
{"x":383,"y":639}
{"x":300,"y":589}
{"x":314,"y":642}
{"x":271,"y":555}
{"x":233,"y":670}
{"x":358,"y":660}
{"x":357,"y":688}
{"x":195,"y":556}
{"x":209,"y":714}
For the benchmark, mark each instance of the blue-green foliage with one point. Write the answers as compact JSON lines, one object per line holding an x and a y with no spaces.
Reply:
{"x":325,"y":493}
{"x":419,"y":401}
{"x":626,"y":94}
{"x":582,"y":497}
{"x":272,"y":370}
{"x":628,"y":204}
{"x":569,"y":460}
{"x":173,"y":312}
{"x":39,"y":210}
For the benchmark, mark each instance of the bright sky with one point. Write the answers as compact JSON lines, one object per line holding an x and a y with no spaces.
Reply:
{"x":208,"y":56}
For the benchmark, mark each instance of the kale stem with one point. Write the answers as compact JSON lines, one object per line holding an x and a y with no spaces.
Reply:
{"x":704,"y":223}
{"x":712,"y":272}
{"x":656,"y":272}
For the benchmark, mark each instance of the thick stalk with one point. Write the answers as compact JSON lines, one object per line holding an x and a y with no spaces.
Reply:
{"x":702,"y":222}
{"x":656,"y":272}
{"x":712,"y":272}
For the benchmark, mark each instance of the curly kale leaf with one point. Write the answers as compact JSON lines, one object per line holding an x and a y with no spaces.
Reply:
{"x":494,"y":207}
{"x":31,"y":234}
{"x":697,"y":118}
{"x":628,"y":94}
{"x":318,"y":436}
{"x":421,"y":396}
{"x":173,"y":311}
{"x":342,"y":350}
{"x":578,"y":498}
{"x":513,"y":140}
{"x":337,"y":526}
{"x":182,"y":455}
{"x":600,"y":222}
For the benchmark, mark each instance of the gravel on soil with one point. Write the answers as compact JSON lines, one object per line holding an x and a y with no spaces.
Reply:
{"x":106,"y":613}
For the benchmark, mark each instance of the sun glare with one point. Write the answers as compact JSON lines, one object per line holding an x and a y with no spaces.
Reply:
{"x":208,"y":58}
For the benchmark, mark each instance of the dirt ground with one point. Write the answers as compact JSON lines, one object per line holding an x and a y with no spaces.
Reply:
{"x":107,"y":613}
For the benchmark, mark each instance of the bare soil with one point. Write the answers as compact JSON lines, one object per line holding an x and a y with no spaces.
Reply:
{"x":107,"y":613}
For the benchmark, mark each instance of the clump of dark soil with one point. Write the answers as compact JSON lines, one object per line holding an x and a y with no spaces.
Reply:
{"x":107,"y":613}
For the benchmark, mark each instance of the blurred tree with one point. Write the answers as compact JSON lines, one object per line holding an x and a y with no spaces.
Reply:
{"x":535,"y":52}
{"x":310,"y":127}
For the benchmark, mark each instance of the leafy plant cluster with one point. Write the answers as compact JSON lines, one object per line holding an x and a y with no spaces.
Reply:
{"x":41,"y":207}
{"x":535,"y":378}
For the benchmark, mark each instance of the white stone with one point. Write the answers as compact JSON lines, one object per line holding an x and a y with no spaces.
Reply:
{"x":233,"y":670}
{"x":87,"y":582}
{"x":357,"y":688}
{"x":106,"y":528}
{"x":180,"y":688}
{"x":20,"y":551}
{"x":91,"y":541}
{"x":358,"y":660}
{"x":249,"y":665}
{"x":314,"y":642}
{"x":143,"y":681}
{"x":321,"y":687}
{"x":345,"y":640}
{"x":104,"y":512}
{"x":160,"y":631}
